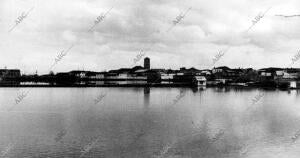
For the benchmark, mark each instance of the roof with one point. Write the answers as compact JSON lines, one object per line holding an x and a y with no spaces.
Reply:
{"x":206,"y":70}
{"x":200,"y":78}
{"x":160,"y":70}
{"x":271,"y":69}
{"x":9,"y":70}
{"x":141,"y":71}
{"x":171,"y":71}
{"x":137,"y":68}
{"x":238,"y":70}
{"x":193,"y":69}
{"x":90,"y":73}
{"x":292,"y":70}
{"x":62,"y":73}
{"x":78,"y":71}
{"x":122,"y":70}
{"x":222,"y":67}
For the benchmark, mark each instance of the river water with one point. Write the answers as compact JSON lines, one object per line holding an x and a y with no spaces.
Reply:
{"x":149,"y":123}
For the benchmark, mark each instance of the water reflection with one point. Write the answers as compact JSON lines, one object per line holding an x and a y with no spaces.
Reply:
{"x":146,"y":96}
{"x":298,"y":92}
{"x":141,"y":122}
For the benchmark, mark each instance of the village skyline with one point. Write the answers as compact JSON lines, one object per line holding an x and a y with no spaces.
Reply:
{"x":140,"y":65}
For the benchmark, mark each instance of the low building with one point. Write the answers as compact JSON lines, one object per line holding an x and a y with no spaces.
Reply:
{"x":220,"y":72}
{"x":78,"y":74}
{"x":141,"y":72}
{"x":10,"y":73}
{"x":165,"y":76}
{"x":269,"y":74}
{"x":121,"y":71}
{"x":199,"y":81}
{"x":205,"y":72}
{"x":287,"y":78}
{"x":226,"y":73}
{"x":191,"y":71}
{"x":95,"y":75}
{"x":291,"y":73}
{"x":122,"y":74}
{"x":221,"y":69}
{"x":137,"y":68}
{"x":111,"y":76}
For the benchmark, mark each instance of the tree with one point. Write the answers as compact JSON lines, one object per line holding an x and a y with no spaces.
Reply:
{"x":51,"y":73}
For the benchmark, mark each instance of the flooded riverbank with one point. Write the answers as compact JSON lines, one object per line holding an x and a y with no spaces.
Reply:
{"x":149,"y":122}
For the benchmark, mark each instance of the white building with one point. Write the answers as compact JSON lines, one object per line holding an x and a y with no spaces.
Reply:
{"x":165,"y":76}
{"x":199,"y":80}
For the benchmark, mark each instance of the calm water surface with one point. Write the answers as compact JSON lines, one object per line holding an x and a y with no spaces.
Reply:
{"x":149,"y":123}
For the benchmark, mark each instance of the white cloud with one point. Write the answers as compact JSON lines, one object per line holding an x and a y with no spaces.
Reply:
{"x":134,"y":25}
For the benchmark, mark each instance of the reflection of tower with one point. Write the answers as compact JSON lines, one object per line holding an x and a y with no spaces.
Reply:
{"x":147,"y":63}
{"x":146,"y":96}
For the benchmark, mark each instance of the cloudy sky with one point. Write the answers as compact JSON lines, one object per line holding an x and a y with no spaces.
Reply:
{"x":134,"y":25}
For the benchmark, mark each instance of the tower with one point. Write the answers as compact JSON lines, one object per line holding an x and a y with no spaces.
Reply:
{"x":147,"y":63}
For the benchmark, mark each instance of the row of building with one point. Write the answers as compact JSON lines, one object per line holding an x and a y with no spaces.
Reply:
{"x":216,"y":76}
{"x":223,"y":75}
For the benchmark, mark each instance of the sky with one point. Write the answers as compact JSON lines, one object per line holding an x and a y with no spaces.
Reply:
{"x":134,"y":27}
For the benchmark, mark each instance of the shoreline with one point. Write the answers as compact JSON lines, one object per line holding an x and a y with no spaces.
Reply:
{"x":141,"y":86}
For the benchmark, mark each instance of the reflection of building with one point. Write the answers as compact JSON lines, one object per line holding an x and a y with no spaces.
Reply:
{"x":147,"y":63}
{"x":10,"y":73}
{"x":146,"y":96}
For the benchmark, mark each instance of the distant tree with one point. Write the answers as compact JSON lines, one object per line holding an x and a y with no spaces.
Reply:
{"x":51,"y":73}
